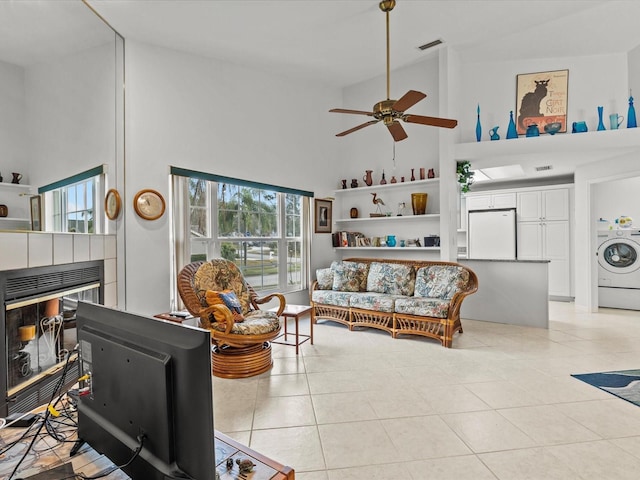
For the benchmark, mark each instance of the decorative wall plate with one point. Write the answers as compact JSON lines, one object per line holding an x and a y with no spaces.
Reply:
{"x":149,"y":204}
{"x":112,"y":204}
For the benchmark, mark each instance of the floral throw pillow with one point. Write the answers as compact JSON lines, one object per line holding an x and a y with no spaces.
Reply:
{"x":440,"y":281}
{"x":350,"y":277}
{"x":391,"y":278}
{"x":324,"y":276}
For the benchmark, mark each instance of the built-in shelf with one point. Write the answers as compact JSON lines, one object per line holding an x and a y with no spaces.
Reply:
{"x":401,"y":218}
{"x":434,"y":249}
{"x":398,"y":185}
{"x":596,"y":144}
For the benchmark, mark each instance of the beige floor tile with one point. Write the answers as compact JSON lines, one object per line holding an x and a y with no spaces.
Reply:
{"x":319,"y":475}
{"x":278,"y":412}
{"x":335,"y":382}
{"x":424,"y":437}
{"x":502,"y":394}
{"x":342,"y":407}
{"x":287,"y":365}
{"x":528,"y":464}
{"x":233,"y":414}
{"x":297,"y":447}
{"x":452,"y":399}
{"x":487,"y":431}
{"x":391,"y":403}
{"x":598,"y":460}
{"x":612,"y":418}
{"x":357,"y":444}
{"x":547,"y":425}
{"x":630,"y":445}
{"x":283,"y":386}
{"x":370,"y":472}
{"x":466,"y":467}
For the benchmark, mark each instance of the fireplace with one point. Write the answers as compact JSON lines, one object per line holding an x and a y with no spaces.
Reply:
{"x":38,"y":328}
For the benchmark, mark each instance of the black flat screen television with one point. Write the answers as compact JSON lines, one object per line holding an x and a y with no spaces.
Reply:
{"x":148,"y":378}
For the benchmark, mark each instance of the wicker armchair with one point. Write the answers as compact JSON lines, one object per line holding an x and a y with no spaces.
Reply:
{"x":240,"y":349}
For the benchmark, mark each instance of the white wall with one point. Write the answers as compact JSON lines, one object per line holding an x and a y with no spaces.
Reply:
{"x":211,"y":116}
{"x":70,"y":115}
{"x":372,"y":147}
{"x":599,"y":80}
{"x":615,"y":198}
{"x":12,"y":121}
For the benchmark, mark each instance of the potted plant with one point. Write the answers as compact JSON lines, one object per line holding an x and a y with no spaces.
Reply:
{"x":465,"y":175}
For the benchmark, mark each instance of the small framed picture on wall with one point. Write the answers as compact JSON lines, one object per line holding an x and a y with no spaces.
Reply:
{"x":322,"y":216}
{"x":36,"y":214}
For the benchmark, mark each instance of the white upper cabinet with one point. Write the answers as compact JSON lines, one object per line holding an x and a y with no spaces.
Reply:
{"x":549,"y":205}
{"x":491,"y":200}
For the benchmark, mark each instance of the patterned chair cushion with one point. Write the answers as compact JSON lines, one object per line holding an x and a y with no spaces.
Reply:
{"x":331,"y":297}
{"x":219,"y":275}
{"x":350,"y":277}
{"x":257,"y":322}
{"x":391,"y":278}
{"x":440,"y":281}
{"x":324,"y":276}
{"x":424,"y":307}
{"x":379,"y":302}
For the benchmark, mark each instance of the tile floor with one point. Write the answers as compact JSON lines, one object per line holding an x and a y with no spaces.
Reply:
{"x":501,"y":404}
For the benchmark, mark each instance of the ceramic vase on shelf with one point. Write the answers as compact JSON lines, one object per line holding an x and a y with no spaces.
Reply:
{"x":511,"y":131}
{"x":494,"y":133}
{"x":391,"y":240}
{"x":533,"y":130}
{"x":419,"y":203}
{"x":631,"y":114}
{"x":478,"y":126}
{"x":384,"y":180}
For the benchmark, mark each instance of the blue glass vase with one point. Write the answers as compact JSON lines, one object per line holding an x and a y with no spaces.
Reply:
{"x":631,"y":114}
{"x":600,"y":123}
{"x":494,"y":133}
{"x":511,"y":131}
{"x":478,"y":126}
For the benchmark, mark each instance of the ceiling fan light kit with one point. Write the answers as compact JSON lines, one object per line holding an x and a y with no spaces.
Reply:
{"x":391,"y":112}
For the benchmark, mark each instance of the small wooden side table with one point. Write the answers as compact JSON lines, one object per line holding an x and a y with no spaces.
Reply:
{"x":295,"y":312}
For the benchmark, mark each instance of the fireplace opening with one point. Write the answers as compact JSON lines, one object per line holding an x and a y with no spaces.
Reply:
{"x":38,"y":324}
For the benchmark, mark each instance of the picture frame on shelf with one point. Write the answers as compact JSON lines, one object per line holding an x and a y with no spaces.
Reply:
{"x":541,"y":98}
{"x":36,"y":213}
{"x":322,"y":215}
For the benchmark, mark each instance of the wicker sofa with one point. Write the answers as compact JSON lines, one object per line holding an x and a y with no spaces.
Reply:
{"x":398,"y":296}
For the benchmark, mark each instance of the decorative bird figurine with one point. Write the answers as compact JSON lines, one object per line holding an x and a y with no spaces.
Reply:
{"x":377,"y":202}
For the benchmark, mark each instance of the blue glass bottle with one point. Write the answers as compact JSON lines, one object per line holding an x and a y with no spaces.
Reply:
{"x":511,"y":131}
{"x":631,"y":114}
{"x":478,"y":126}
{"x":600,"y":123}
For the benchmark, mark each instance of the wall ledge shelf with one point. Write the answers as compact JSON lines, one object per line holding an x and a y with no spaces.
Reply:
{"x":597,"y":144}
{"x":423,"y":249}
{"x":376,"y":188}
{"x":395,"y":218}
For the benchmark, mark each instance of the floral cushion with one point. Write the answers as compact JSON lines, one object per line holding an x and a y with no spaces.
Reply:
{"x":379,"y":302}
{"x":350,"y":277}
{"x":219,"y":275}
{"x":424,"y":307}
{"x":440,"y":281}
{"x":391,"y":278}
{"x":331,"y":297}
{"x":324,"y":276}
{"x":257,"y":322}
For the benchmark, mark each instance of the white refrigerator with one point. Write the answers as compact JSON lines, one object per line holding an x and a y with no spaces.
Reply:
{"x":492,"y":234}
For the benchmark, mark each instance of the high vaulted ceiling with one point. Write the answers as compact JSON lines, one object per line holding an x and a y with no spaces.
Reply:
{"x":342,"y":42}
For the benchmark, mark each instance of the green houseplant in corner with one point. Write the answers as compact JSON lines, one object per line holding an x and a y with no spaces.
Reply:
{"x":465,"y":175}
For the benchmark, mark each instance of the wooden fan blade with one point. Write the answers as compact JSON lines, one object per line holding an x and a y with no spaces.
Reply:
{"x":408,"y":100}
{"x":396,"y":130}
{"x":433,"y":121}
{"x":351,"y":130}
{"x":357,"y":112}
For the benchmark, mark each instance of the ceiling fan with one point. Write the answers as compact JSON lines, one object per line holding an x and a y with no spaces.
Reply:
{"x":391,"y":111}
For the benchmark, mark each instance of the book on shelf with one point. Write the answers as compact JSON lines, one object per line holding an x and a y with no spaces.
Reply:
{"x":349,"y":239}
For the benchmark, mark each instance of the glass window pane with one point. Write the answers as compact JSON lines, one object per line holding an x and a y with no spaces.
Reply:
{"x":294,"y":264}
{"x":198,"y":218}
{"x":198,"y":192}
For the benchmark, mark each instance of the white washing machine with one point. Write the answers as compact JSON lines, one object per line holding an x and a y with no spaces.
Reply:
{"x":619,"y":268}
